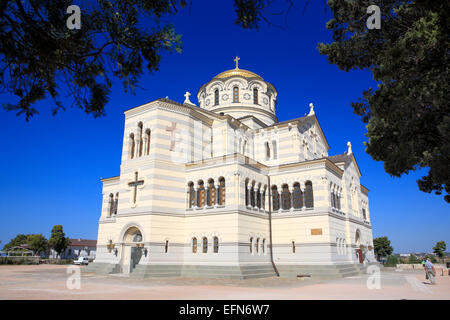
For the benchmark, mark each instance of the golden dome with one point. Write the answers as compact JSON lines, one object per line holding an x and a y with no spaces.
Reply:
{"x":237,"y":72}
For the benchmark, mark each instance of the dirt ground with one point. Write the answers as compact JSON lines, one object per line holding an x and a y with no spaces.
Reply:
{"x":51,"y":282}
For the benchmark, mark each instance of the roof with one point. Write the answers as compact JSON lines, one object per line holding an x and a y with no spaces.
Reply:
{"x":340,"y":158}
{"x":82,"y":243}
{"x":237,"y":72}
{"x":345,"y":158}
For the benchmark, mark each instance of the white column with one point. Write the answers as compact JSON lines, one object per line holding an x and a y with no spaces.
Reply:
{"x":304,"y":198}
{"x":196,"y":198}
{"x":217,"y":186}
{"x":249,"y":202}
{"x":291,"y":197}
{"x":145,"y":146}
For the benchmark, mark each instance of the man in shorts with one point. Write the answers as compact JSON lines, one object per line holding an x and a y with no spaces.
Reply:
{"x":430,"y":271}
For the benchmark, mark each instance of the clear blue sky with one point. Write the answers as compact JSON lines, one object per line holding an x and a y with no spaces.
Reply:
{"x":51,"y":166}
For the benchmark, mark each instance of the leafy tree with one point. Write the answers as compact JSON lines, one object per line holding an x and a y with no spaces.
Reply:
{"x":382,"y":247}
{"x":439,"y":249}
{"x":40,"y":56}
{"x":413,"y":259}
{"x":16,"y":241}
{"x":391,"y":261}
{"x":407,"y":114}
{"x":432,"y":258}
{"x":58,"y":240}
{"x":37,"y":243}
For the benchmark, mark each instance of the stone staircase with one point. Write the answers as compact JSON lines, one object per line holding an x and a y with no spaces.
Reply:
{"x":196,"y":271}
{"x":322,"y":271}
{"x":102,"y":268}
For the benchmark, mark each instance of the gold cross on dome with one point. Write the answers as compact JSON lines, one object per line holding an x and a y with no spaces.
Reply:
{"x":237,"y":61}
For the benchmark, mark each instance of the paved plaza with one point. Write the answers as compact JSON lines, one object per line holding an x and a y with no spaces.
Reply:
{"x":50,"y":282}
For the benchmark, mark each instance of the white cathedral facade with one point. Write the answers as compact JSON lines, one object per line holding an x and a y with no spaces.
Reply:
{"x":223,"y":189}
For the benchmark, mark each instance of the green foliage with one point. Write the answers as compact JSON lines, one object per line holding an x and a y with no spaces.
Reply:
{"x":413,"y":259}
{"x":382,"y":247}
{"x":58,"y":241}
{"x":432,"y":258}
{"x":392,"y":261}
{"x":439,"y":249}
{"x":408,"y":114}
{"x":17,"y":241}
{"x":18,"y":260}
{"x":40,"y":56}
{"x":37,"y":243}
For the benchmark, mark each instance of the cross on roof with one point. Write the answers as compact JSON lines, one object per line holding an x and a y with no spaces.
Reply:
{"x":237,"y":61}
{"x":135,"y":184}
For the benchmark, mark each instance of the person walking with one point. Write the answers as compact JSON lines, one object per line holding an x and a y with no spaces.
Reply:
{"x":430,"y":271}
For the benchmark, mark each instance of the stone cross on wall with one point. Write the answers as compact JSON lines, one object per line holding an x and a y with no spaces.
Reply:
{"x":172,"y":137}
{"x":135,"y":184}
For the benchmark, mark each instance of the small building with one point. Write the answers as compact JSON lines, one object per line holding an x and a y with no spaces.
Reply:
{"x":78,"y":248}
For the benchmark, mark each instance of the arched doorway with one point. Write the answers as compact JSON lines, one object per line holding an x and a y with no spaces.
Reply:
{"x":131,"y":249}
{"x":359,"y":252}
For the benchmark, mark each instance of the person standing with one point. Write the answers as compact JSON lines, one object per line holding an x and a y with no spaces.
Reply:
{"x":431,"y":272}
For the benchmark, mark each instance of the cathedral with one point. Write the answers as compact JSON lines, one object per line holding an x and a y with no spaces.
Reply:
{"x":225,"y":190}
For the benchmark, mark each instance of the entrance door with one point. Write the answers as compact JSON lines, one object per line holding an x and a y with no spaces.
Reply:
{"x":360,"y":255}
{"x":136,"y":254}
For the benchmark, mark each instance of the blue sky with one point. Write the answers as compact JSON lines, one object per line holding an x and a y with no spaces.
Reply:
{"x":51,"y":166}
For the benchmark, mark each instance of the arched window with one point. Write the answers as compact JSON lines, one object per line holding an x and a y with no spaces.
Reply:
{"x":298,"y":196}
{"x":236,"y":94}
{"x":338,"y":199}
{"x":293,"y":246}
{"x":309,"y":197}
{"x":191,"y":195}
{"x":116,"y":203}
{"x":275,"y":199}
{"x":246,"y":194}
{"x":111,"y":204}
{"x":194,"y":245}
{"x":285,"y":197}
{"x":140,"y":127}
{"x":252,"y":195}
{"x":267,"y":151}
{"x":216,"y":97}
{"x":131,"y":145}
{"x":205,"y":245}
{"x":333,"y":203}
{"x":257,"y":245}
{"x":201,"y":196}
{"x":166,"y":248}
{"x":147,"y":138}
{"x":263,"y":199}
{"x":211,"y":194}
{"x":222,"y":191}
{"x":263,"y":246}
{"x":251,"y":245}
{"x":258,"y":197}
{"x":274,"y":151}
{"x":216,"y":245}
{"x":364,"y":214}
{"x":255,"y":96}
